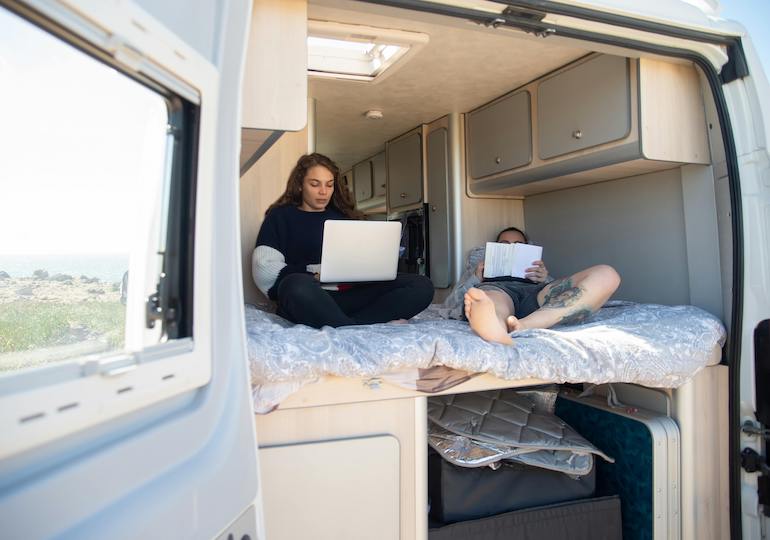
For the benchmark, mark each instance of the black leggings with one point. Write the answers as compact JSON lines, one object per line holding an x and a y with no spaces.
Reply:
{"x":302,"y":300}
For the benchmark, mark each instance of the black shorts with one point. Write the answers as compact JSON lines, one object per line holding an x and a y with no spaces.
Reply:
{"x":523,"y":293}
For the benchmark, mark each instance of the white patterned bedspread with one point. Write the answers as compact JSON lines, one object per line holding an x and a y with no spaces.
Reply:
{"x":652,"y":345}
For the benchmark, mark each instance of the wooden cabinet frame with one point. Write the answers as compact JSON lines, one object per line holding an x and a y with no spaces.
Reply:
{"x":668,"y":129}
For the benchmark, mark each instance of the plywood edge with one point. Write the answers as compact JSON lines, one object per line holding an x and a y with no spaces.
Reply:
{"x":333,"y":390}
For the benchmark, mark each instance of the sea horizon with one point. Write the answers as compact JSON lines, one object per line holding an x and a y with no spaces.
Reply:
{"x":109,"y":267}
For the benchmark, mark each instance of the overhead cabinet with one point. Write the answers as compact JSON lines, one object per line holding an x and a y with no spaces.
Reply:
{"x":368,"y":181}
{"x":347,"y":180}
{"x":572,"y":117}
{"x":599,"y":118}
{"x":379,"y":175}
{"x":404,"y":165}
{"x":362,"y":180}
{"x":499,"y":136}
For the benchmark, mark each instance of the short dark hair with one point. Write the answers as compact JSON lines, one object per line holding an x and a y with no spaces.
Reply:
{"x":513,"y":229}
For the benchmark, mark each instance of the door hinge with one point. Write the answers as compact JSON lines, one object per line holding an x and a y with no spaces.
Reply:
{"x":751,"y":462}
{"x":523,"y":13}
{"x":755,"y":429}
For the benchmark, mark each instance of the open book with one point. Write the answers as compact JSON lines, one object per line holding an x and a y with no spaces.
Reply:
{"x":510,"y":259}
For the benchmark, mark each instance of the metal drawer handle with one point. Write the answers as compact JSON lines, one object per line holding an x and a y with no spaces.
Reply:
{"x":577,"y":134}
{"x":498,"y":160}
{"x":403,"y":195}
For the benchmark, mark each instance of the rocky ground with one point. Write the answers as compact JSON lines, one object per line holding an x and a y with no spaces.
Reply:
{"x":57,"y":288}
{"x":46,"y":319}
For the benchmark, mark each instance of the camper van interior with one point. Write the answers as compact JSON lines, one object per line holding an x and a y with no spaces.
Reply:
{"x":602,"y":154}
{"x":630,"y":137}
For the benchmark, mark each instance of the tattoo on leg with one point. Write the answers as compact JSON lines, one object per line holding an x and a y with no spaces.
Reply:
{"x":562,"y":294}
{"x":576,"y":317}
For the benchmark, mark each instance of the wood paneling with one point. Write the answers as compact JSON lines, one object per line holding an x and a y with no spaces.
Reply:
{"x":673,"y":114}
{"x":262,"y":184}
{"x":404,"y":419}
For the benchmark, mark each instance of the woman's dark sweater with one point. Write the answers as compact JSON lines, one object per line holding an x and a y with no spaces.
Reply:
{"x":298,"y":235}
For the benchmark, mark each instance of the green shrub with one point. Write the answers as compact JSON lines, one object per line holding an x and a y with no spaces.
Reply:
{"x":28,"y":325}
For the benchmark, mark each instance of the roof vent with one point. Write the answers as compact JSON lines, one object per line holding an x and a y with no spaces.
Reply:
{"x":356,"y":52}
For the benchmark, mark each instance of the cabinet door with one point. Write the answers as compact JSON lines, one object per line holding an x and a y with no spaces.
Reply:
{"x":586,"y":105}
{"x":331,"y":490}
{"x":362,"y":180}
{"x":379,"y":175}
{"x":438,"y":217}
{"x":500,"y":136}
{"x":404,"y":157}
{"x":347,"y":180}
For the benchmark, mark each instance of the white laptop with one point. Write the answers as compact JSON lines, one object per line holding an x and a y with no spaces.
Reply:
{"x":360,"y":251}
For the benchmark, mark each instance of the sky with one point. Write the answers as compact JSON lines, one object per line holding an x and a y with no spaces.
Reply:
{"x":83,"y":149}
{"x":754,"y":15}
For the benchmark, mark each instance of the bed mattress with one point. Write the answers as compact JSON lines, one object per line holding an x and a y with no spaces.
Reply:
{"x":647,"y":344}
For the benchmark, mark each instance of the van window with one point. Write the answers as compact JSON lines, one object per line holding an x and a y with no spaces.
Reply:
{"x":84,"y":181}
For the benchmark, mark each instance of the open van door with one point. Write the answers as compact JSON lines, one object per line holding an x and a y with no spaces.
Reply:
{"x":748,"y":102}
{"x":125,"y":405}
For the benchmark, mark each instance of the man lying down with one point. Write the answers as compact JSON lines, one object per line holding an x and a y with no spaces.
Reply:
{"x":496,"y":308}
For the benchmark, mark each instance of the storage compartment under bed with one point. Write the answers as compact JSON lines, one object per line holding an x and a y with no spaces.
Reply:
{"x":590,"y":519}
{"x":461,"y":494}
{"x":522,"y":501}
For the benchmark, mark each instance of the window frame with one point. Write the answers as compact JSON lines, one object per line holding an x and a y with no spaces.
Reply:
{"x":41,"y":405}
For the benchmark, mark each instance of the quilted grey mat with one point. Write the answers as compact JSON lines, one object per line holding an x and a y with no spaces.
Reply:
{"x":506,"y":423}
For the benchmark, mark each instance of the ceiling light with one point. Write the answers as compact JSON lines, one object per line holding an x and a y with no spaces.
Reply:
{"x":373,"y":115}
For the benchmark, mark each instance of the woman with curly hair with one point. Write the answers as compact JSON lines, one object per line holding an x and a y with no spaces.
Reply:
{"x":288,"y":253}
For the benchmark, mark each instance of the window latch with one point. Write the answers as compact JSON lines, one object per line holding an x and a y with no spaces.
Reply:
{"x":158,"y":307}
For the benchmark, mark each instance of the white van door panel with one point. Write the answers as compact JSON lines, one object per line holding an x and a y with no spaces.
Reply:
{"x":671,"y":13}
{"x":179,"y":461}
{"x":748,"y":102}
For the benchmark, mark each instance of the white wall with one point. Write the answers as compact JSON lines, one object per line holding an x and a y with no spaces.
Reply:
{"x":635,"y":224}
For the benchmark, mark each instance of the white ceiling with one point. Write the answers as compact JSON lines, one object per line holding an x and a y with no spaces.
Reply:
{"x":462,"y":67}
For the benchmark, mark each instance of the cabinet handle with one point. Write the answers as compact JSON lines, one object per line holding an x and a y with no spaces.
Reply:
{"x":433,"y":208}
{"x":577,"y":134}
{"x":498,"y":160}
{"x":403,"y":195}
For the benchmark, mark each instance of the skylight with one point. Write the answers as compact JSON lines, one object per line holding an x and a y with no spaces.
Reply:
{"x":362,"y":53}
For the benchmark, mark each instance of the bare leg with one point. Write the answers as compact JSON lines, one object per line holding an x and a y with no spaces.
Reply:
{"x":571,"y":300}
{"x":487,"y":312}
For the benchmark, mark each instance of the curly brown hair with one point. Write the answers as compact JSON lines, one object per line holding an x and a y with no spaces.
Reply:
{"x":341,"y":197}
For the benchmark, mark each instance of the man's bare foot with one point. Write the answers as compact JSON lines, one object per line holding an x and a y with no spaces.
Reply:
{"x":480,"y":311}
{"x":513,"y":324}
{"x":398,"y":321}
